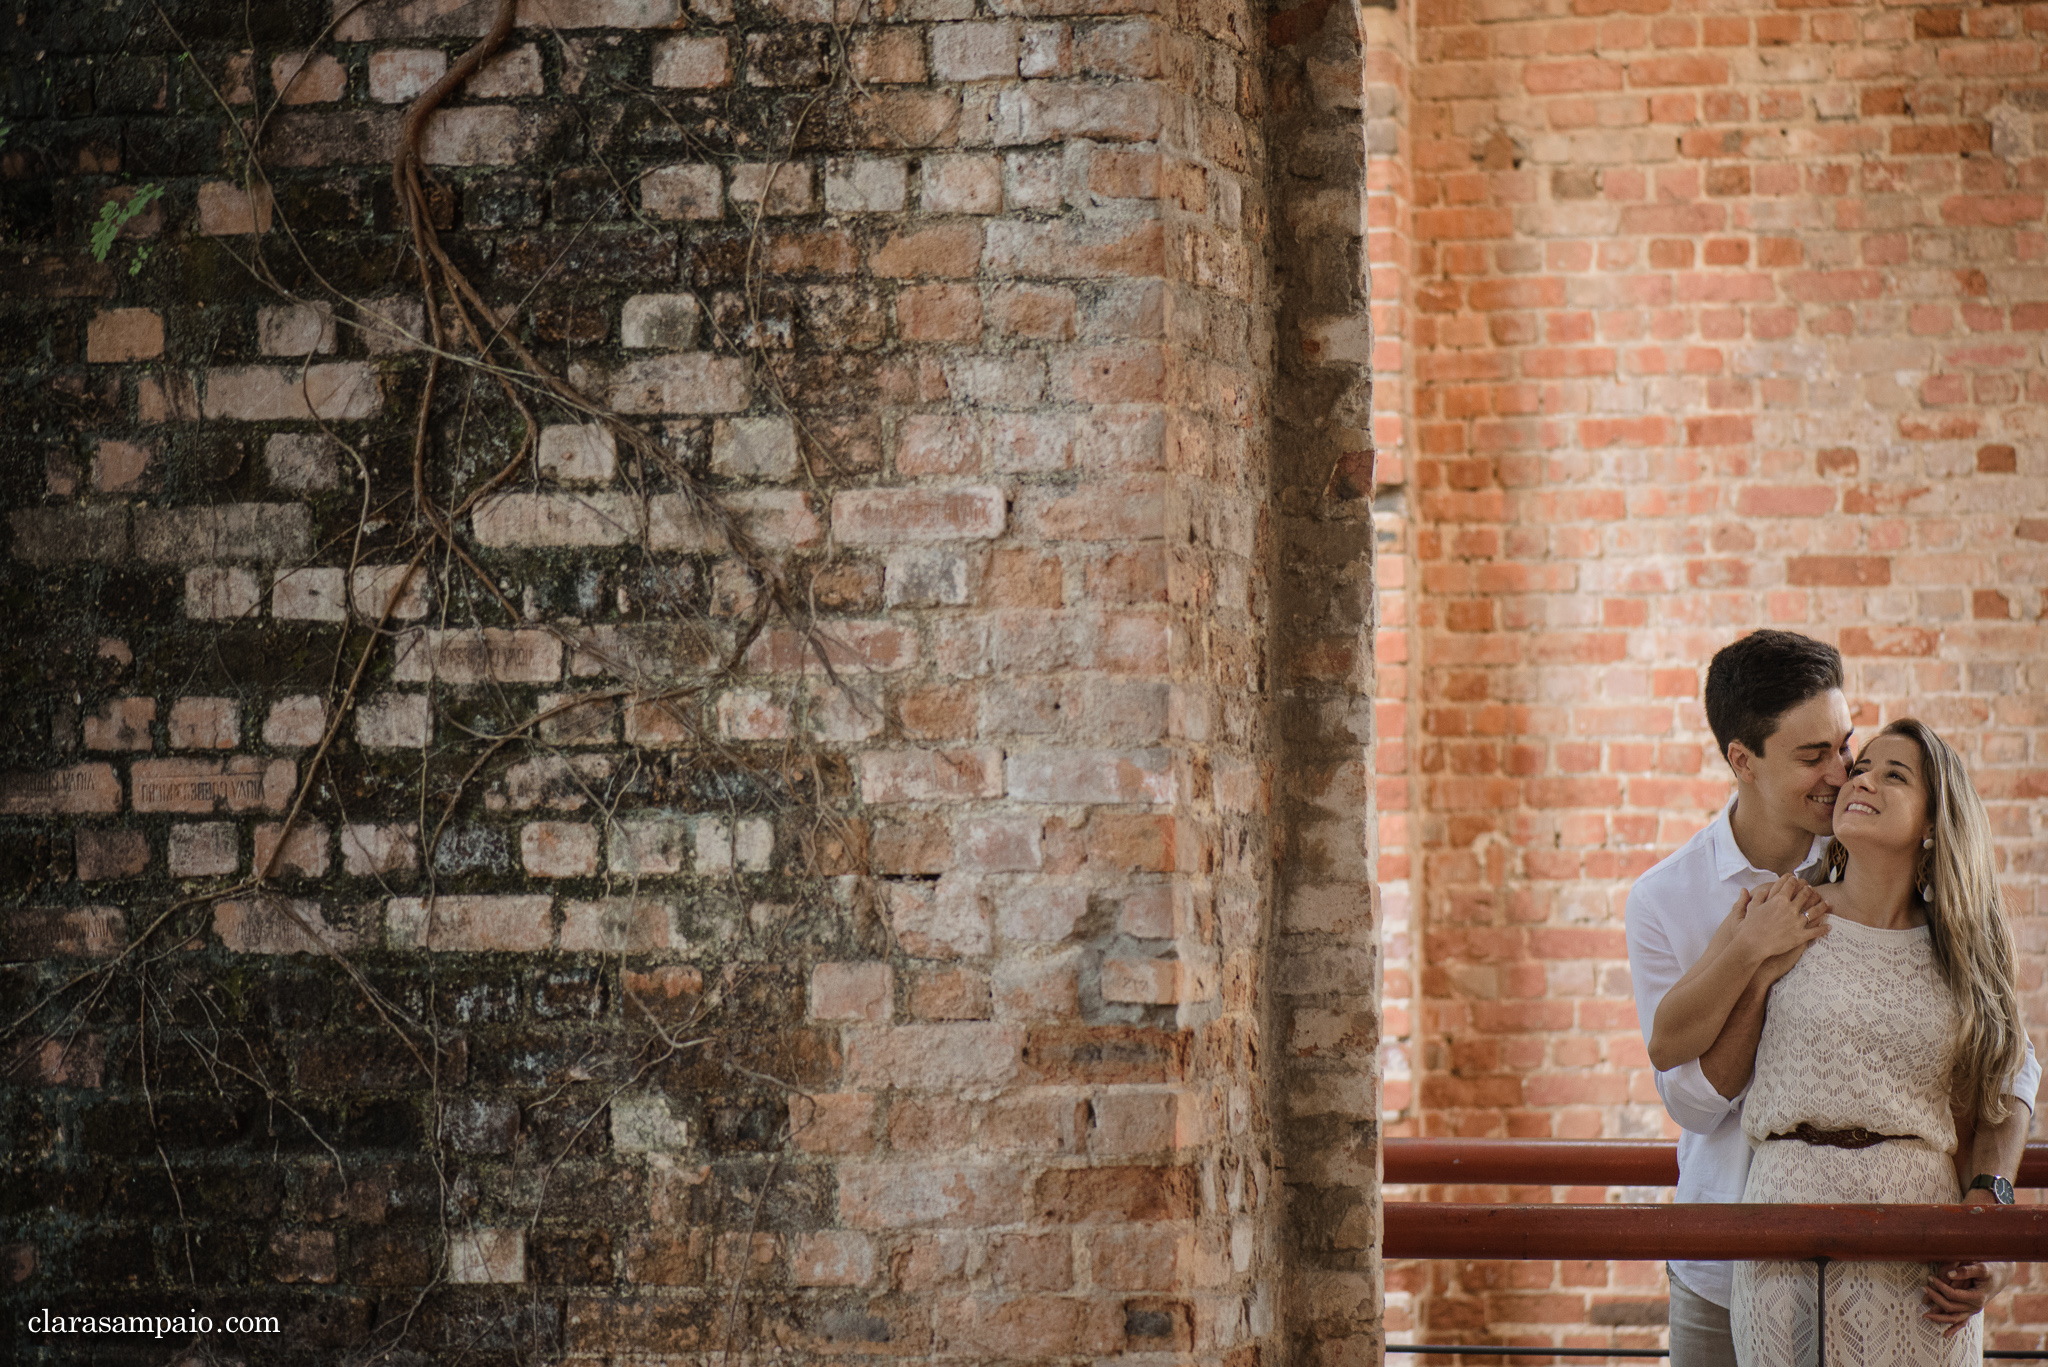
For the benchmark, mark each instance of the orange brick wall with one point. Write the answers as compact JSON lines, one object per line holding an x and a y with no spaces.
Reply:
{"x":1389,"y":101}
{"x":1718,"y":316}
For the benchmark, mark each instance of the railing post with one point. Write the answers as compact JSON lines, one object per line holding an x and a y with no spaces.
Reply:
{"x":1820,"y":1312}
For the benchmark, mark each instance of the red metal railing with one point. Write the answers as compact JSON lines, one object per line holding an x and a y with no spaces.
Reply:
{"x":1821,"y":1233}
{"x":1433,"y":1229}
{"x":1573,"y":1162}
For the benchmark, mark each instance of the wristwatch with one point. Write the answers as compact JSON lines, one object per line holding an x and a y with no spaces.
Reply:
{"x":2000,"y":1189}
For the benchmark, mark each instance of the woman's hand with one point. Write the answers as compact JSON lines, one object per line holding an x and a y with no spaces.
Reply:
{"x":1778,"y":923}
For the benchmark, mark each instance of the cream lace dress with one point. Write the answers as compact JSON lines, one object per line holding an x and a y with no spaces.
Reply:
{"x":1856,"y":1034}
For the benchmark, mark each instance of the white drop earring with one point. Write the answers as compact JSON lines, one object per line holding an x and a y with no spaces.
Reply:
{"x":1927,"y":843}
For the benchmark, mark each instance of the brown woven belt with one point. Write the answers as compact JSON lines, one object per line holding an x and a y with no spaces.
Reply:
{"x":1855,"y":1138}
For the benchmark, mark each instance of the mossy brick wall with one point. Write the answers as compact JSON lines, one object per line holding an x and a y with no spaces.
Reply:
{"x":606,"y":1003}
{"x":1716,"y":316}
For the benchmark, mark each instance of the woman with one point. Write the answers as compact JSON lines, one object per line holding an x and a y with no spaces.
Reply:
{"x":1896,"y":1013}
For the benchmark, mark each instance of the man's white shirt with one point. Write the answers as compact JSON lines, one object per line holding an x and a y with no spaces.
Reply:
{"x":1673,"y":911}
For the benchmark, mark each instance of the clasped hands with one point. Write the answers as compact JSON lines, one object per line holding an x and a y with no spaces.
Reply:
{"x":1957,"y":1291}
{"x":1774,"y":924}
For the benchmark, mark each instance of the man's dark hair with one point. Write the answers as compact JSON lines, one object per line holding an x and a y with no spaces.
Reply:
{"x":1757,"y":680}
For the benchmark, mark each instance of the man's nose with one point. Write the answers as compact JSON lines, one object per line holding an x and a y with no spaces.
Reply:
{"x":1838,"y":770}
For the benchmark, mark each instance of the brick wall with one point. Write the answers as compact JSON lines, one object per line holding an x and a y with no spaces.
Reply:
{"x":1390,"y":104}
{"x":1722,"y":316}
{"x":624,"y":981}
{"x":1047,"y":348}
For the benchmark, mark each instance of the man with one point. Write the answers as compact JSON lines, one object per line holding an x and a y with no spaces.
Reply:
{"x":1774,"y":701}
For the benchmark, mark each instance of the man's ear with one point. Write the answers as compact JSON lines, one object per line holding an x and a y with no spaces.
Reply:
{"x":1742,"y":762}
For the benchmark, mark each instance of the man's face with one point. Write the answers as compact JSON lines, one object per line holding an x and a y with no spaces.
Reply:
{"x":1805,"y":762}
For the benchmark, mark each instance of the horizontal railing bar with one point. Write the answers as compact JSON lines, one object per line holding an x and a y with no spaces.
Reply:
{"x":1505,"y":1351}
{"x":1488,"y":1350}
{"x":1573,"y":1162}
{"x":1534,"y":1162}
{"x":1862,"y":1233}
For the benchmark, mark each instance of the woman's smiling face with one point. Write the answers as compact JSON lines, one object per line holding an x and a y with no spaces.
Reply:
{"x":1885,"y":800}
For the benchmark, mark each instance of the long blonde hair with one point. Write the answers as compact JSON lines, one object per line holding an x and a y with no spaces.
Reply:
{"x":1966,"y":923}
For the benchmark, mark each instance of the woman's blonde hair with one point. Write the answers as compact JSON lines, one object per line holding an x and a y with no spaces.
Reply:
{"x":1966,"y":922}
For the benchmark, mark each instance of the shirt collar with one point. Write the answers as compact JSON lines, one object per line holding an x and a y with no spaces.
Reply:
{"x":1730,"y":863}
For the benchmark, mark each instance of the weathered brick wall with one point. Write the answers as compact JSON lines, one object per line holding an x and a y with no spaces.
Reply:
{"x":605,"y":1000}
{"x":1723,"y":315}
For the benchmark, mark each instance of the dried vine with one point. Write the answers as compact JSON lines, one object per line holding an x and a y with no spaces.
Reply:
{"x":461,"y":331}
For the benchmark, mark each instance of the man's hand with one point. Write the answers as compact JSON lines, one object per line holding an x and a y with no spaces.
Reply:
{"x":1957,"y":1291}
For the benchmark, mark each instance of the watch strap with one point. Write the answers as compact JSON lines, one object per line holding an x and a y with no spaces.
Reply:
{"x":2000,"y":1189}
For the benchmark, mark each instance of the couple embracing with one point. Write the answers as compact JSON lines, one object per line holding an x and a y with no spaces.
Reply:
{"x":1849,"y":1032}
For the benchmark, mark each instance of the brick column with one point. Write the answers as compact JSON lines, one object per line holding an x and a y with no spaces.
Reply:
{"x":1389,"y":102}
{"x":1326,"y":938}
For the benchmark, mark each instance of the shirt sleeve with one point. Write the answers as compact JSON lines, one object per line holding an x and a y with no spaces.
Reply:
{"x":1695,"y":1103}
{"x":1653,"y":969}
{"x":2026,"y":1079}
